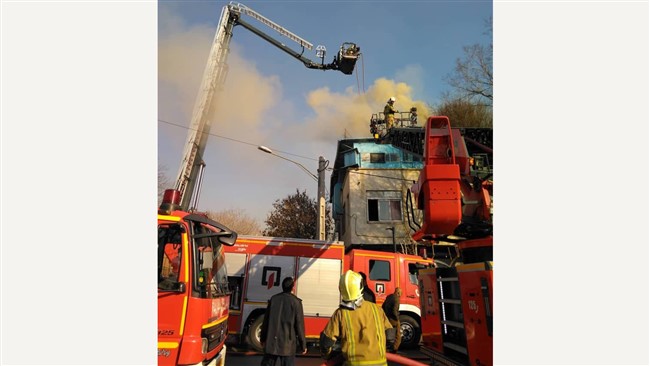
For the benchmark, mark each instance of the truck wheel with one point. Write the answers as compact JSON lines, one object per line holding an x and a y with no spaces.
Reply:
{"x":410,"y":332}
{"x":254,"y":334}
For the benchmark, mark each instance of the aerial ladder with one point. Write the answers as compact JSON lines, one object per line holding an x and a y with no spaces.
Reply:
{"x":188,"y":179}
{"x":408,"y":135}
{"x":455,"y":296}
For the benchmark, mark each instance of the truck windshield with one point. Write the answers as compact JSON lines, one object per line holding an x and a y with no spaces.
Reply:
{"x":212,"y":273}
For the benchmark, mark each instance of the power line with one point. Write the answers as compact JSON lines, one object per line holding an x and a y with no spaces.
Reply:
{"x":381,"y":176}
{"x":235,"y":140}
{"x":256,"y":145}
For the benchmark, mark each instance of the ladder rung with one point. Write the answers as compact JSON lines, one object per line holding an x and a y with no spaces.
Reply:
{"x":455,"y":347}
{"x":450,"y":301}
{"x":453,"y":324}
{"x":447,"y":279}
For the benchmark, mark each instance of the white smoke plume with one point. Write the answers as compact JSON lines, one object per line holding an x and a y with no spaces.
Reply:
{"x":252,"y":109}
{"x":339,"y":114}
{"x":249,"y":97}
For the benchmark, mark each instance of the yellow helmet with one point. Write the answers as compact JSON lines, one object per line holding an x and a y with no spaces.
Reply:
{"x":350,"y":286}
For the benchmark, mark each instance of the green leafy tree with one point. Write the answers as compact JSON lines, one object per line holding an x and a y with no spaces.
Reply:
{"x":295,"y":217}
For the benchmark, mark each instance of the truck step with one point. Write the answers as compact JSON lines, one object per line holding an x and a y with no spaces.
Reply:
{"x":448,"y":279}
{"x":453,"y":324}
{"x":455,"y":347}
{"x":449,"y":301}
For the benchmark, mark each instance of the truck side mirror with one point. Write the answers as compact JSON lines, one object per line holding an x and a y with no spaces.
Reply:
{"x":172,"y":286}
{"x":229,"y":238}
{"x":180,"y":287}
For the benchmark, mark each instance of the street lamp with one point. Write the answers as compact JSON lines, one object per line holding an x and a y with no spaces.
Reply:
{"x":269,"y":151}
{"x":320,"y":220}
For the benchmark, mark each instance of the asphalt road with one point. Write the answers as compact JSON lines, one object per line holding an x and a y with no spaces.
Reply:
{"x":243,"y":357}
{"x":246,"y":360}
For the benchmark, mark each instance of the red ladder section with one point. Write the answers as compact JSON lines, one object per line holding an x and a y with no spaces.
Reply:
{"x":437,"y":191}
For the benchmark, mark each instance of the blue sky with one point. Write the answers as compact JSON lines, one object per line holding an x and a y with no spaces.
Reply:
{"x":271,"y":99}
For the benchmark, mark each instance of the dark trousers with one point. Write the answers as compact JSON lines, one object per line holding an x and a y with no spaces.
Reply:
{"x":398,"y":333}
{"x":275,"y":360}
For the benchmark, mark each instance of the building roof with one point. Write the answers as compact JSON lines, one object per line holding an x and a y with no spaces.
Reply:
{"x":367,"y":153}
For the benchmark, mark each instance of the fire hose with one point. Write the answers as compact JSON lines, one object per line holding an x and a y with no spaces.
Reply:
{"x":389,"y":357}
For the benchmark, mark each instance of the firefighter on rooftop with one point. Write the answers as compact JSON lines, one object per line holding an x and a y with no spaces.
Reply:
{"x":389,"y":113}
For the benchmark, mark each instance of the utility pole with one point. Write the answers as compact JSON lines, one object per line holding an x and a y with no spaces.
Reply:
{"x":392,"y":229}
{"x":322,"y":165}
{"x":320,"y":225}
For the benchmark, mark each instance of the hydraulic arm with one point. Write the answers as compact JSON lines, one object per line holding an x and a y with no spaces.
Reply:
{"x":214,"y":77}
{"x":457,"y":295}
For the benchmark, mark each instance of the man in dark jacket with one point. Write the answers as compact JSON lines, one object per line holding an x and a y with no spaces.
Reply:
{"x":368,"y":295}
{"x":283,"y":328}
{"x":391,"y":308}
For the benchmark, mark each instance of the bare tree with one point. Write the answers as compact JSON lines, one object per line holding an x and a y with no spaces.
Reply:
{"x":463,"y":113}
{"x":163,"y":182}
{"x":472,"y":76}
{"x":237,"y":220}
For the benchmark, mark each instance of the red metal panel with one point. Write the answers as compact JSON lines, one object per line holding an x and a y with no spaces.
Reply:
{"x":475,"y":243}
{"x":438,"y":142}
{"x":202,"y":312}
{"x":315,"y":325}
{"x":288,"y":247}
{"x":440,"y":199}
{"x":477,"y":310}
{"x":431,"y":329}
{"x":233,"y":321}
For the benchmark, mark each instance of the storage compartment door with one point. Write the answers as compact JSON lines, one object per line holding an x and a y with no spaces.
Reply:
{"x":318,"y":285}
{"x":266,"y":273}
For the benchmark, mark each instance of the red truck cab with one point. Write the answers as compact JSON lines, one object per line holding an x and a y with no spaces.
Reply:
{"x":385,"y":271}
{"x":193,"y":292}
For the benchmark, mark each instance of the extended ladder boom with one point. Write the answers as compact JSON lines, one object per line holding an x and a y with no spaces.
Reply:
{"x":243,"y":9}
{"x":214,"y":78}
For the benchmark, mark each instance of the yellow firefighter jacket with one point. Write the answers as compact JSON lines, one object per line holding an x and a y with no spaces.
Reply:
{"x":362,"y":333}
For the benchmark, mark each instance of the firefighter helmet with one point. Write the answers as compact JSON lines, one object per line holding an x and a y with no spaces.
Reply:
{"x":391,"y":99}
{"x":350,"y":286}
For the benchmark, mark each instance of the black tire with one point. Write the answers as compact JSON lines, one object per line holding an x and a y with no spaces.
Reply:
{"x":411,"y":332}
{"x":254,"y":332}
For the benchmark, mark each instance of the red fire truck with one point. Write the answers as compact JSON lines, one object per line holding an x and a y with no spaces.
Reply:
{"x":457,"y":306}
{"x":193,"y":295}
{"x":257,"y":265}
{"x":193,"y":292}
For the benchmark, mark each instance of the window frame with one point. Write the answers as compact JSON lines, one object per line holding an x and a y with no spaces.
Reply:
{"x":381,"y":206}
{"x":372,"y":263}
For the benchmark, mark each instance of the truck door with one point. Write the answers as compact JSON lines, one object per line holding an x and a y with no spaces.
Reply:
{"x":381,"y":278}
{"x":172,"y":289}
{"x":236,"y":273}
{"x":236,"y":276}
{"x":410,"y":289}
